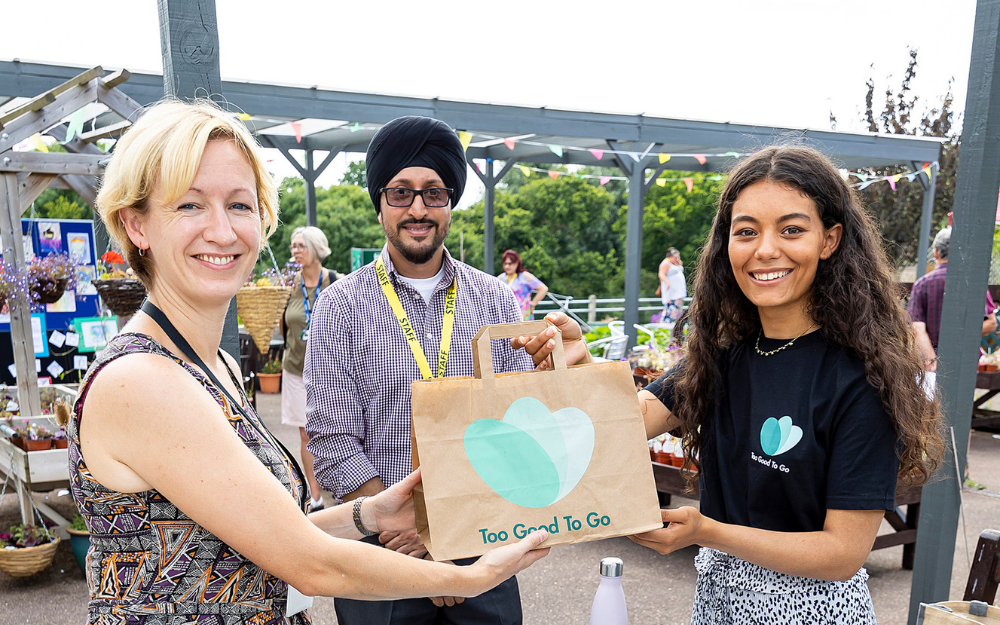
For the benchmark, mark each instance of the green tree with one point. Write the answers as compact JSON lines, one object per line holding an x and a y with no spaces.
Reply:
{"x":356,"y":175}
{"x":898,"y":212}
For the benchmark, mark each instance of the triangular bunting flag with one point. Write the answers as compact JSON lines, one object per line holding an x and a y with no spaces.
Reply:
{"x":75,"y":126}
{"x":598,"y":154}
{"x":911,"y":177}
{"x":556,"y":149}
{"x":355,"y":127}
{"x":243,"y":116}
{"x":297,"y":129}
{"x":844,"y":173}
{"x":553,"y":174}
{"x":689,"y":183}
{"x":509,"y":143}
{"x":635,"y":156}
{"x":861,"y":177}
{"x":892,"y":183}
{"x":605,"y":180}
{"x":700,"y":158}
{"x":664,"y":158}
{"x":927,"y":170}
{"x":465,"y":138}
{"x":478,"y":168}
{"x":733,"y":154}
{"x":524,"y":170}
{"x":864,"y":185}
{"x":661,"y":181}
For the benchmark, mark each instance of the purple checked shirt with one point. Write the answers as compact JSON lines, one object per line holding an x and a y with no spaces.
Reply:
{"x":359,"y":366}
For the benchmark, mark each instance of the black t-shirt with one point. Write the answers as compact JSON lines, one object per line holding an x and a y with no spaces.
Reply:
{"x":792,"y":435}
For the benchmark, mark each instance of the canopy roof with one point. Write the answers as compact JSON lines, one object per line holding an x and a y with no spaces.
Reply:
{"x":346,"y":121}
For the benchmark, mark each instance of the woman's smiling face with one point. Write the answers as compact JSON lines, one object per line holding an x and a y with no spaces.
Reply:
{"x":776,"y":241}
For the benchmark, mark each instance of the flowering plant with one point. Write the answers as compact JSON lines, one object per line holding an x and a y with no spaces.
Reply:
{"x":22,"y":536}
{"x":109,"y":271}
{"x":271,"y":367}
{"x":13,"y":284}
{"x":46,"y":272}
{"x":273,"y":277}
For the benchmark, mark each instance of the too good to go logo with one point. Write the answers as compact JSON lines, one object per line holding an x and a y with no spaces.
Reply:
{"x":779,"y":435}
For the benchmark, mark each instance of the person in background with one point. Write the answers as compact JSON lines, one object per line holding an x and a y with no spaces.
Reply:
{"x":673,"y":287}
{"x":927,"y":299}
{"x":522,"y":283}
{"x":309,"y":249}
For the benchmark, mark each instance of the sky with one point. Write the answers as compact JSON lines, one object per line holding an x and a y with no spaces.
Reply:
{"x":788,"y":63}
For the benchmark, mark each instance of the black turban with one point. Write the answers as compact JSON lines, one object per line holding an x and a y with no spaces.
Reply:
{"x":415,"y":142}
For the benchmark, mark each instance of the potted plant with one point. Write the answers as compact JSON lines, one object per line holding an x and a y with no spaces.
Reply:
{"x":49,"y":277}
{"x":59,"y":439}
{"x":261,"y":303}
{"x":118,"y":287}
{"x":26,"y":550}
{"x":270,"y":376}
{"x":38,"y":439}
{"x":79,"y":538}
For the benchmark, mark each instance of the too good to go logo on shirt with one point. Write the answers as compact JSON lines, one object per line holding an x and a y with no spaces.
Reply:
{"x":776,"y":437}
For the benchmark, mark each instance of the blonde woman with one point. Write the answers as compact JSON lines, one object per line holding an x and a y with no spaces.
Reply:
{"x":195,"y":510}
{"x":309,"y":249}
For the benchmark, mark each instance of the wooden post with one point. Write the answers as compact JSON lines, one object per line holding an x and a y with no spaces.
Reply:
{"x":20,"y":311}
{"x":962,"y":313}
{"x":592,"y":309}
{"x":189,"y":40}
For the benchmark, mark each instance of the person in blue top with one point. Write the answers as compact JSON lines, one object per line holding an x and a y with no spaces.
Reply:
{"x":799,"y":398}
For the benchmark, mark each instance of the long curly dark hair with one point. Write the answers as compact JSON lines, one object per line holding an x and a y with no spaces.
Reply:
{"x":854,"y":300}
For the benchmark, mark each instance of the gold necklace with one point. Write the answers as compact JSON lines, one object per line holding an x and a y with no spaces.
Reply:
{"x":775,"y":351}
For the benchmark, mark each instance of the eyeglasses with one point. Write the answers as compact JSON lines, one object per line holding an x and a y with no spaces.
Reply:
{"x":298,"y":246}
{"x":401,"y":197}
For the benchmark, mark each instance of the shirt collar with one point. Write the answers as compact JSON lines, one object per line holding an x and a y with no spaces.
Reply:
{"x":450,"y":268}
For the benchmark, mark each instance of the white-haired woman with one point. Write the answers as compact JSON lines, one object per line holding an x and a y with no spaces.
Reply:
{"x":195,"y":510}
{"x":309,"y":249}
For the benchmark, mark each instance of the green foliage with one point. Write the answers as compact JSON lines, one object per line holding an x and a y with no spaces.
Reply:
{"x":343,"y":213}
{"x":356,"y":175}
{"x":78,"y":523}
{"x":271,"y":367}
{"x":60,"y":204}
{"x":898,"y":212}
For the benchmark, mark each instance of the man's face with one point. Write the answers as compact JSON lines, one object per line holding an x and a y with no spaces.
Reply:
{"x":417,"y":231}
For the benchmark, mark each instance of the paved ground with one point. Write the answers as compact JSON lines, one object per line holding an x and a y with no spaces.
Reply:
{"x":560,"y":588}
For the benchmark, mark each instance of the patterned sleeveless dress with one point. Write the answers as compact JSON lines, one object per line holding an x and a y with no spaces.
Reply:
{"x":149,"y":563}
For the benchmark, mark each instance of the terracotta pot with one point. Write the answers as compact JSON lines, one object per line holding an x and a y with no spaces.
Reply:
{"x":269,"y":382}
{"x":40,"y":445}
{"x":18,"y":442}
{"x":60,"y":443}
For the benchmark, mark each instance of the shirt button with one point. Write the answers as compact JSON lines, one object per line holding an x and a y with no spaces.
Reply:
{"x":429,"y":335}
{"x":416,"y":296}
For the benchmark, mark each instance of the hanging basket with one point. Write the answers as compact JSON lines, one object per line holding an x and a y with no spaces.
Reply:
{"x":49,"y":290}
{"x":260,"y":308}
{"x":28,"y":560}
{"x":122,"y":296}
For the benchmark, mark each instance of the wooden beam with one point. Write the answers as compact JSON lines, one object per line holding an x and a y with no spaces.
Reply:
{"x":84,"y":186}
{"x":44,"y":99}
{"x":118,"y":102}
{"x":113,"y":80}
{"x":65,"y":105}
{"x":114,"y":130}
{"x":31,"y":187}
{"x":20,"y":311}
{"x":52,"y":163}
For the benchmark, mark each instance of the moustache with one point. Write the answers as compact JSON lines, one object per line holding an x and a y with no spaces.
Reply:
{"x":416,"y":222}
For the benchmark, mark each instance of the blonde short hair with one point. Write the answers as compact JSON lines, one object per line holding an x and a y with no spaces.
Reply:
{"x":315,"y":240}
{"x":164,"y":147}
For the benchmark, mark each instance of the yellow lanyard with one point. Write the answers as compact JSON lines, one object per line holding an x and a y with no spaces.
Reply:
{"x":447,"y":326}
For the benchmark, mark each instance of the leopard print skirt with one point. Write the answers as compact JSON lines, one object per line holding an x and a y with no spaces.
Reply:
{"x":731,"y":591}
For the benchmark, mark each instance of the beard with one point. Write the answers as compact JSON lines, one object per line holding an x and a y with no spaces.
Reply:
{"x":422,"y":252}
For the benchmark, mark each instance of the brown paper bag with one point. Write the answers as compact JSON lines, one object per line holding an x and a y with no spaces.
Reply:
{"x":563,"y":449}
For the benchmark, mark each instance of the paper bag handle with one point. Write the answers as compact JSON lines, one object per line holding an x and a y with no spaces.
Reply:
{"x":482,"y":357}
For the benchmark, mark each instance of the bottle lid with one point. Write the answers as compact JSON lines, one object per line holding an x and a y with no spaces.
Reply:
{"x":611,"y":567}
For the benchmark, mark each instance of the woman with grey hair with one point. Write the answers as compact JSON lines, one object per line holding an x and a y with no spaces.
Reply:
{"x":309,"y":248}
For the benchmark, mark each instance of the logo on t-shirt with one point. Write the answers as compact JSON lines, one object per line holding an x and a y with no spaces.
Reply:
{"x":779,"y":435}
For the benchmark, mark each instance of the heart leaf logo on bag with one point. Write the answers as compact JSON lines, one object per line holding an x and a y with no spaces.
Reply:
{"x":533,"y":457}
{"x":779,"y":435}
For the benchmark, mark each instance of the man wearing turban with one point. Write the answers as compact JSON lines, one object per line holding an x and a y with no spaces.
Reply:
{"x":360,"y":361}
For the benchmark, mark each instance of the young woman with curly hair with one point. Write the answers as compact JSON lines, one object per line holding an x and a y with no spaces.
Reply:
{"x":799,"y":399}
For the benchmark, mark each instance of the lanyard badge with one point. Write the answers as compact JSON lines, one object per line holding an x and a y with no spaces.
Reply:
{"x":447,"y":324}
{"x":307,"y":306}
